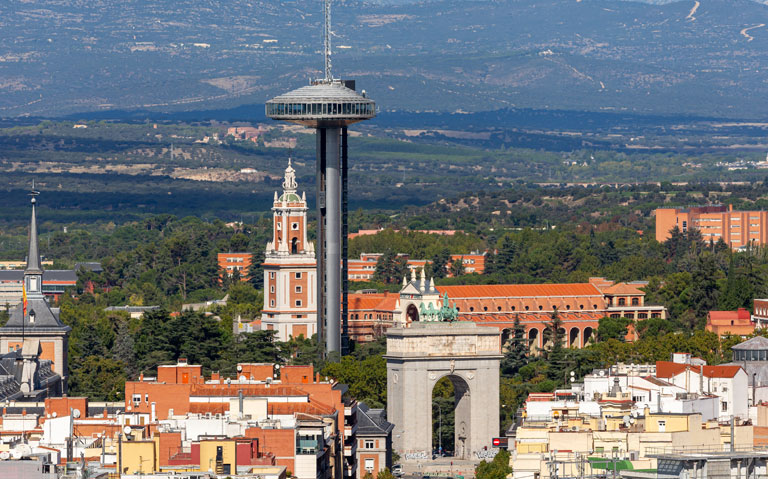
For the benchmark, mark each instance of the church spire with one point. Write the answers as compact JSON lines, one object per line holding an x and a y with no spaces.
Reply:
{"x":33,"y":253}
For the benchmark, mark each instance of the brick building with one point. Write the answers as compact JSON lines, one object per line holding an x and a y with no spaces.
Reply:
{"x":736,"y":228}
{"x":229,"y":263}
{"x":282,"y":416}
{"x":580,"y":306}
{"x":364,"y":268}
{"x":737,"y":322}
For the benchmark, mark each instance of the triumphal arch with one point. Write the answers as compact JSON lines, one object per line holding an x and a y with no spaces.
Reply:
{"x":418,"y":356}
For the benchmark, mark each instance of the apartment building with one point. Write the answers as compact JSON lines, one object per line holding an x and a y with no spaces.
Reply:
{"x":737,"y":229}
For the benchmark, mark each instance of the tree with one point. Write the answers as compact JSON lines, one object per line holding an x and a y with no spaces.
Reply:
{"x":516,"y":354}
{"x":390,"y":268}
{"x":498,"y":468}
{"x":555,"y":355}
{"x":457,"y":267}
{"x":438,"y":267}
{"x":613,"y":328}
{"x":123,"y":350}
{"x":703,"y":292}
{"x":366,"y":378}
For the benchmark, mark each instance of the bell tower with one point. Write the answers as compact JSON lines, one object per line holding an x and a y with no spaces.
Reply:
{"x":290,"y":299}
{"x":34,"y":327}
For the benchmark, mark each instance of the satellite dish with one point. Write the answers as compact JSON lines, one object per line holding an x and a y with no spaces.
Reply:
{"x":54,"y":414}
{"x":242,"y":378}
{"x":625,"y":419}
{"x":239,"y":368}
{"x":601,"y":373}
{"x":127,"y":430}
{"x":16,"y":454}
{"x":631,"y":420}
{"x":76,"y":413}
{"x":5,"y":455}
{"x":229,"y":381}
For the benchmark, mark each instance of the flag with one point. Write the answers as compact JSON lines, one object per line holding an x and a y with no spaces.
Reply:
{"x":24,"y":299}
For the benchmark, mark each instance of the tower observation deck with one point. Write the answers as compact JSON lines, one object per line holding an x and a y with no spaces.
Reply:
{"x":330,"y":106}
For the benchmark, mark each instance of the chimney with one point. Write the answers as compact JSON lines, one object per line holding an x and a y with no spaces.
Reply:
{"x":730,"y":207}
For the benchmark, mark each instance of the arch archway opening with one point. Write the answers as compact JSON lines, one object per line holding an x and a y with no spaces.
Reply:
{"x":505,"y":335}
{"x":412,"y":313}
{"x":588,"y":332}
{"x":533,"y":340}
{"x":573,"y":338}
{"x":294,"y":245}
{"x":451,"y":418}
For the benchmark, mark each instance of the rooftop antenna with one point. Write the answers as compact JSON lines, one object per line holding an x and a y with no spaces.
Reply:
{"x":327,"y":39}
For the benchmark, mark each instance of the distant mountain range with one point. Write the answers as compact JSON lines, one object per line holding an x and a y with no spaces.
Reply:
{"x":706,"y":57}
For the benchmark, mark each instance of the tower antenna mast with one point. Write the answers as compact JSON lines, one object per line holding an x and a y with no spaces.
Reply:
{"x":327,"y":39}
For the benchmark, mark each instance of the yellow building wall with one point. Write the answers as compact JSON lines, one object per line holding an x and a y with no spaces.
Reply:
{"x":138,"y":457}
{"x":208,"y":455}
{"x":673,"y":422}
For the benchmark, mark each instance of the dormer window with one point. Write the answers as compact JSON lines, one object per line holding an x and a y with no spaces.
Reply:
{"x":32,"y":317}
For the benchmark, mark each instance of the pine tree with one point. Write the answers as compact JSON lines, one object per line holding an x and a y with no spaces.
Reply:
{"x":555,"y":354}
{"x":516,"y":355}
{"x":123,"y":349}
{"x":457,"y":267}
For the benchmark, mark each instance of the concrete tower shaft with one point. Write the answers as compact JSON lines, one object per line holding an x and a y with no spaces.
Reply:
{"x":329,"y":107}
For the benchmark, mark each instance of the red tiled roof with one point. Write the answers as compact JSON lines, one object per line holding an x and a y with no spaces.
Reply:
{"x":248,"y":390}
{"x":669,"y":369}
{"x":519,"y":290}
{"x":376,"y":301}
{"x":725,"y":317}
{"x":289,"y":408}
{"x":623,"y":289}
{"x":207,"y":407}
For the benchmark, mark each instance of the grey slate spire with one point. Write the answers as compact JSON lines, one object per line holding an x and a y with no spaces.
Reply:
{"x":33,"y":255}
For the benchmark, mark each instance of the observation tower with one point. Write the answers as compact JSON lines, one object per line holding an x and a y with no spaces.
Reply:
{"x":329,"y":105}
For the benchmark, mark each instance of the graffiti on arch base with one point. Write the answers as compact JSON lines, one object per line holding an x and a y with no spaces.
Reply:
{"x":414,"y":456}
{"x":486,"y":453}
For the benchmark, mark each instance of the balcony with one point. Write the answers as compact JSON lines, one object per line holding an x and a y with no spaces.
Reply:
{"x":350,"y":431}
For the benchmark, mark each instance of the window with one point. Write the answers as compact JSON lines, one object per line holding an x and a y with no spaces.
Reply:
{"x":279,"y":226}
{"x":298,"y":303}
{"x":146,"y":398}
{"x":272,"y":289}
{"x":622,"y":301}
{"x":368,"y":444}
{"x":272,"y":303}
{"x":136,"y":398}
{"x":298,"y":289}
{"x":294,"y":226}
{"x":271,"y":275}
{"x":297,"y":275}
{"x":369,"y":465}
{"x":725,"y":406}
{"x":635,"y":301}
{"x":662,"y":426}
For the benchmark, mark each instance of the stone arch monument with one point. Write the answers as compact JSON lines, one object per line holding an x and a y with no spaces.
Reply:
{"x":420,"y":355}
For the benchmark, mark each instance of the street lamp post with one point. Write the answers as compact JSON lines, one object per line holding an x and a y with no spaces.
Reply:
{"x":440,"y":430}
